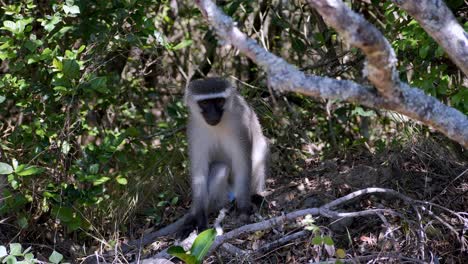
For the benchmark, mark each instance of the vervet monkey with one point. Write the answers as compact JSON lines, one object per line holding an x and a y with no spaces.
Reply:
{"x":227,"y":149}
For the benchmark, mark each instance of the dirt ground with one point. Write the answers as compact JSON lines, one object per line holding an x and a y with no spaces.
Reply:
{"x":421,"y":171}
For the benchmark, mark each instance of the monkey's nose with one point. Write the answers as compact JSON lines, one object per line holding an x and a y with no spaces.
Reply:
{"x":213,"y":122}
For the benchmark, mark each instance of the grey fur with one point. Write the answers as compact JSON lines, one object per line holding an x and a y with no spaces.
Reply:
{"x":229,"y":156}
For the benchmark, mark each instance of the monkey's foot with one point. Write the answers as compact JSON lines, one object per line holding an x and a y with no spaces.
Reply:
{"x":191,"y":223}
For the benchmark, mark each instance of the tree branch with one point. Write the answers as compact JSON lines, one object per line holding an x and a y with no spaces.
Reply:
{"x":381,"y":59}
{"x":439,"y":22}
{"x":285,"y":77}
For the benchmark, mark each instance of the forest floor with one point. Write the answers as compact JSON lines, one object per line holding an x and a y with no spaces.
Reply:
{"x":400,"y":232}
{"x":422,"y":171}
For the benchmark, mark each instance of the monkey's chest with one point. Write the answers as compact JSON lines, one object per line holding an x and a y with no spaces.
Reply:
{"x":224,"y":149}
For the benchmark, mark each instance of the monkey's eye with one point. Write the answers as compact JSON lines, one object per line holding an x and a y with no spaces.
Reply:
{"x":220,"y":102}
{"x":203,"y":103}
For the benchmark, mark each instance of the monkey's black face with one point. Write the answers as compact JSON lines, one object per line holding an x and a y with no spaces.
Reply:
{"x":212,"y":110}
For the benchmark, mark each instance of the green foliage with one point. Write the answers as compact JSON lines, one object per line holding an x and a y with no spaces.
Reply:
{"x":199,"y":249}
{"x":91,"y":112}
{"x":16,"y":254}
{"x":80,"y":138}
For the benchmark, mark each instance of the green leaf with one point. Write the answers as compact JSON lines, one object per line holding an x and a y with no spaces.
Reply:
{"x":22,"y":222}
{"x":57,"y":64}
{"x":71,"y":9}
{"x":99,"y":84}
{"x":328,"y":241}
{"x":121,"y":180}
{"x":361,"y":112}
{"x":65,"y":146}
{"x":10,"y":26}
{"x":317,"y":241}
{"x":10,"y":260}
{"x":423,"y":51}
{"x":101,"y":180}
{"x":16,"y":249}
{"x":184,"y":43}
{"x":65,"y":214}
{"x":178,"y":251}
{"x":5,"y":168}
{"x":3,"y":251}
{"x":31,"y":170}
{"x":29,"y":257}
{"x":203,"y":243}
{"x":340,"y":253}
{"x":55,"y":257}
{"x":94,"y":169}
{"x":71,"y":69}
{"x":14,"y":162}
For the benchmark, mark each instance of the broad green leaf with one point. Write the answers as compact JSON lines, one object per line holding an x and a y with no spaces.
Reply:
{"x":5,"y":168}
{"x":55,"y":257}
{"x":184,"y":43}
{"x":94,"y":169}
{"x":71,"y":69}
{"x":100,"y":180}
{"x":31,"y":170}
{"x":65,"y":146}
{"x":99,"y":84}
{"x":423,"y":51}
{"x":340,"y":253}
{"x":317,"y":241}
{"x":10,"y":260}
{"x":29,"y":257}
{"x":178,"y":251}
{"x":22,"y":222}
{"x":121,"y":180}
{"x":3,"y":251}
{"x":16,"y":249}
{"x":63,"y":90}
{"x":65,"y":214}
{"x":361,"y":112}
{"x":49,"y":25}
{"x":328,"y":241}
{"x":203,"y":243}
{"x":14,"y":162}
{"x":10,"y":26}
{"x":71,"y":9}
{"x":57,"y":64}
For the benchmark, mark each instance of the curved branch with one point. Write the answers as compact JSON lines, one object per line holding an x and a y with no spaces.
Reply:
{"x":285,"y":77}
{"x":439,"y":22}
{"x":358,"y":32}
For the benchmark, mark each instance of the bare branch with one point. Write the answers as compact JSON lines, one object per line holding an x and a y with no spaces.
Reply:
{"x":439,"y":22}
{"x":286,"y":239}
{"x":285,"y":77}
{"x":381,"y":59}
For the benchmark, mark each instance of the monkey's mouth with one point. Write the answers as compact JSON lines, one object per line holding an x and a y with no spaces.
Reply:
{"x":213,"y":122}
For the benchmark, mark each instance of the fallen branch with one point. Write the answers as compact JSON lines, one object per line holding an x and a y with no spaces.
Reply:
{"x":285,"y":77}
{"x":327,"y":211}
{"x":286,"y":239}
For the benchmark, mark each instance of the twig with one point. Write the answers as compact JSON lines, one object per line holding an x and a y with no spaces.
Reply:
{"x":235,"y":251}
{"x":282,"y":241}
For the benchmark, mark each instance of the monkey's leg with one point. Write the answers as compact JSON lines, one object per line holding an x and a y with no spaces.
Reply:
{"x":260,"y":157}
{"x":218,"y":186}
{"x":242,"y":174}
{"x":198,"y":216}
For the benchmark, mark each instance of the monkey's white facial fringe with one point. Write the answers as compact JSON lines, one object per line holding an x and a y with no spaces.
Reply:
{"x":200,"y":97}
